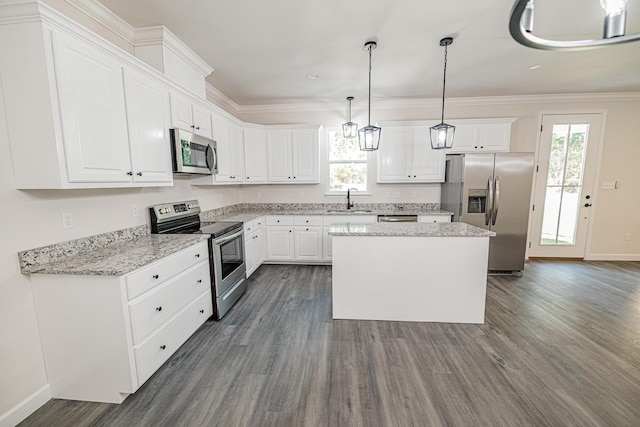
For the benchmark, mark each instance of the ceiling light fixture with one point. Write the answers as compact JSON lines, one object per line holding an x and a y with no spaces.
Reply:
{"x":521,"y":28}
{"x":369,"y":136}
{"x":442,"y":134}
{"x":349,"y":129}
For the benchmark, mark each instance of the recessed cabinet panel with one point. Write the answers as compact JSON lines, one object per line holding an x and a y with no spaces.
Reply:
{"x":255,"y":155}
{"x":305,"y":156}
{"x":181,"y":115}
{"x":482,"y":136}
{"x":394,"y":155}
{"x":147,"y":118}
{"x":308,"y":243}
{"x":94,"y":123}
{"x":202,"y":121}
{"x":279,"y":156}
{"x":280,"y":243}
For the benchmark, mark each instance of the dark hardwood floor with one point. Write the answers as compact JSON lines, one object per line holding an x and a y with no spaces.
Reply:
{"x":560,"y":346}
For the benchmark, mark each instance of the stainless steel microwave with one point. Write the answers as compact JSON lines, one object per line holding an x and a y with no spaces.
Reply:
{"x":193,"y":153}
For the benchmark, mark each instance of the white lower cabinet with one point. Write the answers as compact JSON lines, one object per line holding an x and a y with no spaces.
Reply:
{"x":327,"y":220}
{"x":308,"y":243}
{"x":434,"y":218}
{"x":254,"y":244}
{"x":280,"y":243}
{"x":103,"y":336}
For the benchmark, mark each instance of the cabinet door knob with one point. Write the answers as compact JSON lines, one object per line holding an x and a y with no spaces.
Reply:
{"x":159,"y":308}
{"x":130,"y":173}
{"x":475,"y":146}
{"x":307,"y":229}
{"x":198,"y":128}
{"x":289,"y":231}
{"x":139,"y":174}
{"x":201,"y":311}
{"x":155,"y":276}
{"x":197,"y":255}
{"x":247,"y":177}
{"x":199,"y":280}
{"x":408,"y":176}
{"x":162,"y":347}
{"x":587,"y":205}
{"x":482,"y":146}
{"x":289,"y":177}
{"x":193,"y":126}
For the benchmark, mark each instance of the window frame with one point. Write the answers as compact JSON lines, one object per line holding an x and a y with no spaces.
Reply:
{"x":329,"y":192}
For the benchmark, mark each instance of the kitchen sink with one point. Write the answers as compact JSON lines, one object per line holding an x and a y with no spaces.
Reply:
{"x":349,"y":211}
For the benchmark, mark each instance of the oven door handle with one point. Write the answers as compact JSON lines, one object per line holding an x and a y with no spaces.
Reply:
{"x":226,"y":239}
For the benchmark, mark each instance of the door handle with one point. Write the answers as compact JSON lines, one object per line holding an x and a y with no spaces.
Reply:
{"x":496,"y":199}
{"x":489,"y":203}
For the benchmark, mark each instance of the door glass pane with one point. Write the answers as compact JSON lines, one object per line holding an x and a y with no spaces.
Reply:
{"x":564,"y":184}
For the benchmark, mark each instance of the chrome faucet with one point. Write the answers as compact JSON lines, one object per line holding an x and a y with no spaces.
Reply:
{"x":349,"y":204}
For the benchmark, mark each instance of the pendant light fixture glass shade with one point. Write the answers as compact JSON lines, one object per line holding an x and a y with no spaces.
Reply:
{"x":442,"y":134}
{"x":349,"y":129}
{"x":369,"y":136}
{"x":521,"y":27}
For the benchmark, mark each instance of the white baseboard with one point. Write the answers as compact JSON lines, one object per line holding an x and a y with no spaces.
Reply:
{"x":612,"y":257}
{"x":28,"y":406}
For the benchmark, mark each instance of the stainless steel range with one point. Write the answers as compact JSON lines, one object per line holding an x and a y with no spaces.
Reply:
{"x":226,"y":248}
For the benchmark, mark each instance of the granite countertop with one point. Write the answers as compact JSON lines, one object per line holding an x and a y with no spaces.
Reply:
{"x":120,"y":258}
{"x":248,"y":216}
{"x":410,"y":229}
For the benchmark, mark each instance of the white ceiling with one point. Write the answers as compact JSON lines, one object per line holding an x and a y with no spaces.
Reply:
{"x":263,"y":50}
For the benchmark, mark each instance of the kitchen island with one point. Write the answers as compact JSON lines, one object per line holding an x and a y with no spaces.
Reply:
{"x":422,"y":272}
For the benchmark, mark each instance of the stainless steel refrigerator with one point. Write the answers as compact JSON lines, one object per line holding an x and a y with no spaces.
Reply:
{"x":492,"y":191}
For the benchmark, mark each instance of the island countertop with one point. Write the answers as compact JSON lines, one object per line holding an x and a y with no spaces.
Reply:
{"x":409,"y":229}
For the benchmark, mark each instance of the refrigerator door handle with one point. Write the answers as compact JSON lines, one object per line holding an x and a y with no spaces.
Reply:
{"x":489,"y":204}
{"x":496,"y":199}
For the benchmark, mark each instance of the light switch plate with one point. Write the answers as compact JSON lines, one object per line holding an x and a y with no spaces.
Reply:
{"x":134,"y":211}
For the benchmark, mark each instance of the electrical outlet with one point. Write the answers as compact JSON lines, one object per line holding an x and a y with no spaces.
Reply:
{"x":414,"y":194}
{"x":396,"y":194}
{"x":609,"y":185}
{"x":134,"y":211}
{"x":67,"y":220}
{"x":627,"y":237}
{"x":388,"y":194}
{"x":301,"y":194}
{"x":258,"y":195}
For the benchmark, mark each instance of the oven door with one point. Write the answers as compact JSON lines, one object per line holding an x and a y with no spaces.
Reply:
{"x":228,"y":261}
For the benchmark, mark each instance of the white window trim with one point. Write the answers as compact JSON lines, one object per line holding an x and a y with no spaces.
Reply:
{"x":328,"y":192}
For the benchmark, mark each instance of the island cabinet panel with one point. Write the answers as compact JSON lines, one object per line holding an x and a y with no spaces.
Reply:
{"x":104,"y":336}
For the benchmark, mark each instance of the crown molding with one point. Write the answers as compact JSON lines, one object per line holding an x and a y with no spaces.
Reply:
{"x":149,"y":36}
{"x":217,"y":97}
{"x":104,"y":16}
{"x":416,"y":103}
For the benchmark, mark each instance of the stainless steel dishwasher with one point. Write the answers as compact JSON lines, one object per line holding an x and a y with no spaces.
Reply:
{"x":397,"y":218}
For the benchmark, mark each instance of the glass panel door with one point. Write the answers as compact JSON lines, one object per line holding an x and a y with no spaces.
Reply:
{"x":567,"y":159}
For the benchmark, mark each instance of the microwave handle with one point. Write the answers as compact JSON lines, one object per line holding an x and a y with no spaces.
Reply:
{"x":212,"y":158}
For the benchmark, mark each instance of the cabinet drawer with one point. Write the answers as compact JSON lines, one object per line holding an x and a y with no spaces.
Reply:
{"x":150,"y":311}
{"x":280,"y":220}
{"x":154,"y":274}
{"x":155,"y":350}
{"x":434,"y":218}
{"x":307,"y":220}
{"x":258,"y":223}
{"x":249,"y":227}
{"x":352,"y":219}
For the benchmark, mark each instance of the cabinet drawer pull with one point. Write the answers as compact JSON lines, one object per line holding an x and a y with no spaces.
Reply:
{"x":159,"y":308}
{"x":199,"y":280}
{"x":130,"y":173}
{"x":162,"y":347}
{"x":197,"y":127}
{"x":197,"y":255}
{"x":155,"y":276}
{"x":201,"y":311}
{"x":139,"y":173}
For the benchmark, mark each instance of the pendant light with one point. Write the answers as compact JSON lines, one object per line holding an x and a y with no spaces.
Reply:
{"x":349,"y":129}
{"x":521,"y":28}
{"x":442,"y":134}
{"x":369,"y":136}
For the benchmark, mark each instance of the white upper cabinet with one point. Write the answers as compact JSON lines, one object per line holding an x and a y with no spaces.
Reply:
{"x":190,"y":116}
{"x":255,"y":155}
{"x":148,"y":123}
{"x":405,"y":155}
{"x":482,"y":136}
{"x":292,"y":155}
{"x":229,"y":141}
{"x":92,"y":120}
{"x":92,"y":110}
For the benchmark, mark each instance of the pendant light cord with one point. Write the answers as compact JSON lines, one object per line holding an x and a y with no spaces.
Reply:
{"x":444,"y":81}
{"x":369,"y":117}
